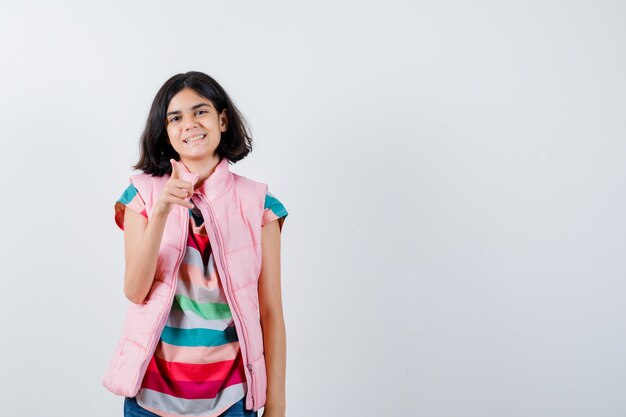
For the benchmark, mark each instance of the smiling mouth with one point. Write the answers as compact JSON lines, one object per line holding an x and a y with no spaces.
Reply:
{"x":194,"y":139}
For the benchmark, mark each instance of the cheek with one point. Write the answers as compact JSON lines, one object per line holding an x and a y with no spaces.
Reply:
{"x":171,"y":133}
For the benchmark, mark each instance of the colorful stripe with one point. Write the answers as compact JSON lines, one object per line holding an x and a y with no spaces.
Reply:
{"x":196,"y":354}
{"x":198,"y":337}
{"x":191,"y":372}
{"x":129,"y":193}
{"x":208,"y":311}
{"x":130,"y":198}
{"x":157,"y":402}
{"x":157,"y":379}
{"x":183,"y":320}
{"x":273,"y":210}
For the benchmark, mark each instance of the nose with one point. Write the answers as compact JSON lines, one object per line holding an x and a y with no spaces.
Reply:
{"x":189,"y":122}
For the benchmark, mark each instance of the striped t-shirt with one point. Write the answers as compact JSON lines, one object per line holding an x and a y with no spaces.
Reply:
{"x":197,"y":368}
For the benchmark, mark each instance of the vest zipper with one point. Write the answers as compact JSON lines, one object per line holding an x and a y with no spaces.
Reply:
{"x":181,"y":255}
{"x":231,"y":298}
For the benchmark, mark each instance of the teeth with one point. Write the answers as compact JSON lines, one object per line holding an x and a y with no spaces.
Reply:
{"x":194,"y":138}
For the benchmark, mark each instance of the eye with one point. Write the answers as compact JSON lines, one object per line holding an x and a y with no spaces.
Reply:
{"x":201,"y":111}
{"x":173,"y":118}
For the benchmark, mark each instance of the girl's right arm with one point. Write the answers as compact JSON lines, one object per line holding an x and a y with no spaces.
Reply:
{"x":142,"y":238}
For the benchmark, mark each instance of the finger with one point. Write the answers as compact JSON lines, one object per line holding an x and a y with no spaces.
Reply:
{"x":179,"y":192}
{"x":175,"y":169}
{"x":181,"y":201}
{"x":186,"y":185}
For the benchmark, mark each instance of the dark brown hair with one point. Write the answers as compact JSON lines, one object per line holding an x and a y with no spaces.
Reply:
{"x":155,"y":150}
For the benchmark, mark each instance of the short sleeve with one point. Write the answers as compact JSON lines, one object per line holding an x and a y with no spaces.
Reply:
{"x":132,"y":199}
{"x":273,"y":210}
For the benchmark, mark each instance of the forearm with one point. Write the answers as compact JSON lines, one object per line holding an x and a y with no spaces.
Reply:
{"x":274,"y":341}
{"x":141,"y":267}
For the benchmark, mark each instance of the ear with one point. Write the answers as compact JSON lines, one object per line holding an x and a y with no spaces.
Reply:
{"x":224,"y":120}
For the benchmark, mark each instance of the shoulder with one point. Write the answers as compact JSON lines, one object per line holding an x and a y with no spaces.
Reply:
{"x":270,"y":207}
{"x":147,"y":184}
{"x":274,"y":204}
{"x":143,"y":179}
{"x":250,"y":185}
{"x":261,"y":187}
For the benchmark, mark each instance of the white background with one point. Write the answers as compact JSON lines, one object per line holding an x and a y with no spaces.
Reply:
{"x":454,"y":175}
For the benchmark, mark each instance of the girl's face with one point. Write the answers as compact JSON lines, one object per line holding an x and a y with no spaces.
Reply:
{"x":194,"y":127}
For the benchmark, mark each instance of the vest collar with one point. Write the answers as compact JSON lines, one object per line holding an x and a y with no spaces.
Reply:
{"x":217,"y":184}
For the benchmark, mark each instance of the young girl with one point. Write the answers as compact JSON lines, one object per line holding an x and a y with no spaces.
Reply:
{"x":204,"y":335}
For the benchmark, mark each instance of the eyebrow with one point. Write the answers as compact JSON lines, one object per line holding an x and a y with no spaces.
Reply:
{"x":193,"y":108}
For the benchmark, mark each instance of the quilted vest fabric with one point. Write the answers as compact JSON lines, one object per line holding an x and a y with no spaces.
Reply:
{"x":232,"y":206}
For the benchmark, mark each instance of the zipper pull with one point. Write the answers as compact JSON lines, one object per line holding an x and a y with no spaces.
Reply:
{"x":250,"y":368}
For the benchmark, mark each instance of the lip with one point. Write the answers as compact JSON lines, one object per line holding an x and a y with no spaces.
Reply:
{"x":194,"y":143}
{"x":193,"y":136}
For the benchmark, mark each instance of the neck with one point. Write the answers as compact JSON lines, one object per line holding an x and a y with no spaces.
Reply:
{"x":204,"y":168}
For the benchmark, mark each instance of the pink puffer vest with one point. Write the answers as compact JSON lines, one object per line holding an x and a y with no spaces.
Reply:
{"x":232,"y":207}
